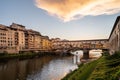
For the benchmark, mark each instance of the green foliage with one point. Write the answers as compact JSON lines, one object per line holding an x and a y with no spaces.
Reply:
{"x":11,"y":56}
{"x":4,"y":53}
{"x":114,"y":56}
{"x":82,"y":73}
{"x":105,"y":68}
{"x":106,"y":53}
{"x":108,"y":68}
{"x":117,"y":75}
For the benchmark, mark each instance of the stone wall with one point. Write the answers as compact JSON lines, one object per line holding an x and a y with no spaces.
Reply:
{"x":114,"y":39}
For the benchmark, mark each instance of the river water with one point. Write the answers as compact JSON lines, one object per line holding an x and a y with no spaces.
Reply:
{"x":41,"y":68}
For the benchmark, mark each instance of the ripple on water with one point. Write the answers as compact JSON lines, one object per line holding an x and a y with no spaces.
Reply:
{"x":54,"y":70}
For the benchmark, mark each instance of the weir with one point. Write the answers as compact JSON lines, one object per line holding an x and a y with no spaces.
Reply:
{"x":76,"y":58}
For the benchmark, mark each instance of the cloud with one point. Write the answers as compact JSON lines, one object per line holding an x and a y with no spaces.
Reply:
{"x":74,"y":9}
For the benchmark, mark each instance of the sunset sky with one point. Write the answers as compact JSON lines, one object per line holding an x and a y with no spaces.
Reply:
{"x":65,"y":19}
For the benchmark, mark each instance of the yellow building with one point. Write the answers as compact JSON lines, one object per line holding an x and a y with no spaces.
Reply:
{"x":32,"y":40}
{"x":19,"y":36}
{"x":7,"y":40}
{"x":16,"y":38}
{"x":46,"y":43}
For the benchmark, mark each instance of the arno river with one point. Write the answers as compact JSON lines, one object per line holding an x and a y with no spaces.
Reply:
{"x":42,"y":68}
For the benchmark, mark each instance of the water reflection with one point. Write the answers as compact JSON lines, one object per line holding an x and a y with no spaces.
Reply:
{"x":54,"y":70}
{"x":43,"y":68}
{"x":19,"y":69}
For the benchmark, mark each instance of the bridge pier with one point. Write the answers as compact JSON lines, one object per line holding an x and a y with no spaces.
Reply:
{"x":85,"y":54}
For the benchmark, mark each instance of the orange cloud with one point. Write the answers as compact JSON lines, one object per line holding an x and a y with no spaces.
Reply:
{"x":74,"y":9}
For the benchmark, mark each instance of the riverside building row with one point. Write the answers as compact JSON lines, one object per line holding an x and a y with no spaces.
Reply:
{"x":16,"y":38}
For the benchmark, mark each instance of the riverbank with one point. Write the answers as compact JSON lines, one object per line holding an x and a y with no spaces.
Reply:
{"x":105,"y":68}
{"x":24,"y":55}
{"x":83,"y":72}
{"x":108,"y":68}
{"x":37,"y":68}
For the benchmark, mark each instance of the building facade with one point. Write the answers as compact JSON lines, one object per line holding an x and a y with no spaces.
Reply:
{"x":93,"y":44}
{"x":46,"y":43}
{"x":32,"y":40}
{"x":19,"y":36}
{"x":16,"y":38}
{"x":7,"y":40}
{"x":114,"y":38}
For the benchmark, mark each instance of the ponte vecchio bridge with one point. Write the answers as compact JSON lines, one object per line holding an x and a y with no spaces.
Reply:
{"x":85,"y":45}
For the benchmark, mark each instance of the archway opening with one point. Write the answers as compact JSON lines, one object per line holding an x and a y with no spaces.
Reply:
{"x":95,"y":53}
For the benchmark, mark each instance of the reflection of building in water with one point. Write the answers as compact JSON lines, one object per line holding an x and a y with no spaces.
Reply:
{"x":18,"y":70}
{"x":8,"y":71}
